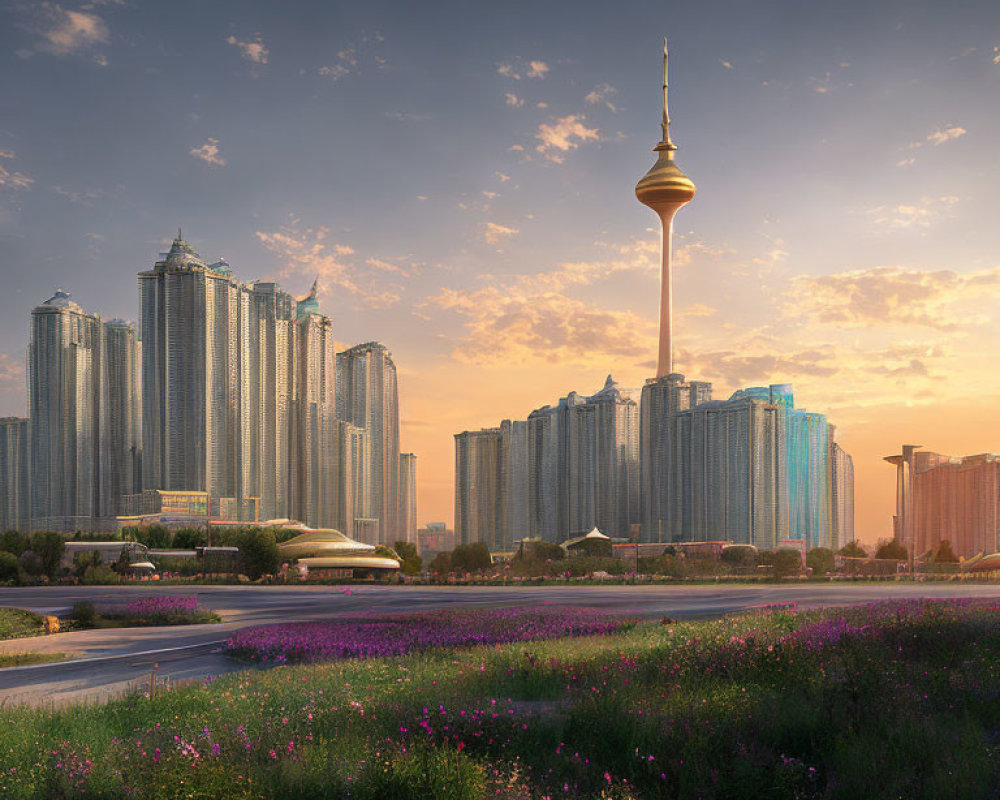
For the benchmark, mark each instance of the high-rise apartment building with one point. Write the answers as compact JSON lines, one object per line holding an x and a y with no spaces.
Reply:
{"x":408,"y":497}
{"x":479,"y":498}
{"x":661,"y":399}
{"x":194,"y":326}
{"x":15,"y":498}
{"x":270,"y":391}
{"x":351,"y":497}
{"x":367,"y":397}
{"x":842,"y":505}
{"x":64,"y":406}
{"x":316,"y":369}
{"x":121,"y":427}
{"x":941,"y":497}
{"x":583,"y":465}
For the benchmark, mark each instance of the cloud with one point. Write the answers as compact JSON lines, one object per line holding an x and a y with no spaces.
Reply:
{"x":351,"y":58}
{"x":13,"y":180}
{"x":906,"y":162}
{"x":726,"y":64}
{"x":531,"y":317}
{"x":945,"y":135}
{"x":67,"y":32}
{"x":942,"y":300}
{"x":307,"y":253}
{"x":255,"y":50}
{"x":906,"y":216}
{"x":517,"y":69}
{"x":996,"y":54}
{"x":503,"y":178}
{"x":564,"y":134}
{"x":494,"y":233}
{"x":537,"y":69}
{"x":739,"y":368}
{"x":599,"y":95}
{"x":209,"y":153}
{"x":11,"y":373}
{"x":513,"y":100}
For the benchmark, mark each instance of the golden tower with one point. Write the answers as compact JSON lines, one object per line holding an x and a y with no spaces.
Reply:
{"x":665,"y":189}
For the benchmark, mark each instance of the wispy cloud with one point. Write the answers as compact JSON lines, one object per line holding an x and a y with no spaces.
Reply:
{"x":517,"y":69}
{"x":11,"y":372}
{"x":209,"y":153}
{"x":946,"y":134}
{"x":351,"y":59}
{"x":306,"y":252}
{"x":905,"y":216}
{"x":599,"y":95}
{"x":565,"y":133}
{"x":996,"y":54}
{"x":13,"y":179}
{"x":726,"y":64}
{"x":532,"y":317}
{"x":66,"y":32}
{"x":943,"y":300}
{"x":494,"y":233}
{"x":513,"y":100}
{"x":254,"y":50}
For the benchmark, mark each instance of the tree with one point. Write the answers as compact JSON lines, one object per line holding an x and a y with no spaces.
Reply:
{"x":441,"y":563}
{"x":154,"y":536}
{"x":944,"y":554}
{"x":853,"y":550}
{"x":258,"y":552}
{"x":189,"y":538}
{"x":820,"y":560}
{"x":892,"y":550}
{"x":471,"y":557}
{"x":412,"y":562}
{"x":739,"y":555}
{"x":786,"y":562}
{"x":14,"y":542}
{"x":8,"y":567}
{"x":83,"y":561}
{"x":49,"y":547}
{"x":541,"y":551}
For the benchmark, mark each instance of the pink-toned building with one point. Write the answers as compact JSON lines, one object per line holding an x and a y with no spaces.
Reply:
{"x":941,"y":497}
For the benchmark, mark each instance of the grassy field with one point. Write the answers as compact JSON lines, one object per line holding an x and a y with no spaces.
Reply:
{"x":24,"y":659}
{"x":16,"y":622}
{"x":884,"y":701}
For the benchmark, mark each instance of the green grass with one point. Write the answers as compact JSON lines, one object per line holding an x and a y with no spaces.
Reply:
{"x":16,"y":623}
{"x":898,"y":700}
{"x":23,"y":659}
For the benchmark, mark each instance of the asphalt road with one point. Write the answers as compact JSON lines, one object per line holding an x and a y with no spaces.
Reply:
{"x":106,"y":663}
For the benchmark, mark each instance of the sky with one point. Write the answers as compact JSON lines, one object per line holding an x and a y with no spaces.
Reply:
{"x":461,"y":178}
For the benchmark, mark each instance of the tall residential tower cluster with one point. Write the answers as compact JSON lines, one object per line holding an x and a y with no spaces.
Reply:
{"x":231,"y":390}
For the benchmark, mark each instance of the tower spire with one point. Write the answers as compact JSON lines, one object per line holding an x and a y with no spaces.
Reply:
{"x":665,"y":142}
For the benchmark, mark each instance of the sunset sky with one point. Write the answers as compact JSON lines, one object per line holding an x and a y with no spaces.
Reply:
{"x":460,"y":175}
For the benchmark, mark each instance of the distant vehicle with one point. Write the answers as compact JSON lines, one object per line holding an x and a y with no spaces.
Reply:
{"x":124,"y":557}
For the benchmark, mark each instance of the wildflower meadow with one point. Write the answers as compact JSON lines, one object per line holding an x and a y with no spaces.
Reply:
{"x":887,"y":700}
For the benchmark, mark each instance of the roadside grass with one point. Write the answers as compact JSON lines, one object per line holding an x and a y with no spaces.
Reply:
{"x":880,"y":701}
{"x":24,"y":659}
{"x":153,"y":611}
{"x":16,"y":623}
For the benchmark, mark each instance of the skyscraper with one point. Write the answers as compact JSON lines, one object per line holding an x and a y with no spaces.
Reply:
{"x":479,"y":506}
{"x":15,"y":499}
{"x":661,"y":473}
{"x":194,"y":320}
{"x":665,"y":189}
{"x":367,"y":397}
{"x":121,"y":431}
{"x":408,"y":497}
{"x":316,"y":369}
{"x":843,"y":497}
{"x":64,"y":402}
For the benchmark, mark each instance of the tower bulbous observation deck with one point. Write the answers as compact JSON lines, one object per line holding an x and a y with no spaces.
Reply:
{"x":664,"y":184}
